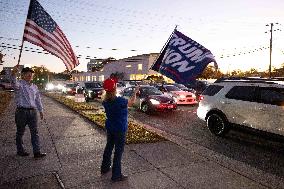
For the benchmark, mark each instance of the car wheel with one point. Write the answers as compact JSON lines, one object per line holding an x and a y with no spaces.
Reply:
{"x":145,"y":108}
{"x":217,"y":124}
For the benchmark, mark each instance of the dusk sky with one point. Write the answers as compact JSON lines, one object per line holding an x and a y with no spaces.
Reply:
{"x":120,"y":29}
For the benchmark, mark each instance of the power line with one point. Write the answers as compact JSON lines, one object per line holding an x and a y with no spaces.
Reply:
{"x":37,"y":50}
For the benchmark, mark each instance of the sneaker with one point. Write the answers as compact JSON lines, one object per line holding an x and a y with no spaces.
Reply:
{"x":39,"y":155}
{"x":121,"y":178}
{"x":23,"y":153}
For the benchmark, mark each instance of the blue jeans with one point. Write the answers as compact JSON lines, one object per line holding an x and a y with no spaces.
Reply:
{"x":23,"y":118}
{"x":115,"y":140}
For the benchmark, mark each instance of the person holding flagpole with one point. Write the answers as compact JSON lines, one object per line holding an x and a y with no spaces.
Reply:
{"x":28,"y":101}
{"x":116,"y":126}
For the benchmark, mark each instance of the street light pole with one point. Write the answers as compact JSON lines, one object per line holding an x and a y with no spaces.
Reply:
{"x":270,"y":48}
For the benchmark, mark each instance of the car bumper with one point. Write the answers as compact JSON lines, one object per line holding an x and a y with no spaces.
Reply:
{"x":186,"y":101}
{"x":164,"y":107}
{"x":93,"y":95}
{"x":201,"y":113}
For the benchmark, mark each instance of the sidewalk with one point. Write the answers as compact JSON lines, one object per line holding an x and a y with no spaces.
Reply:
{"x":74,"y":147}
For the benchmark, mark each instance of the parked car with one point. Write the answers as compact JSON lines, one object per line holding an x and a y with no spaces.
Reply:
{"x":53,"y":87}
{"x":180,"y":96}
{"x":150,"y":99}
{"x":246,"y":102}
{"x":199,"y":86}
{"x":70,"y":88}
{"x":120,"y":86}
{"x":92,"y":90}
{"x":184,"y":88}
{"x":6,"y":85}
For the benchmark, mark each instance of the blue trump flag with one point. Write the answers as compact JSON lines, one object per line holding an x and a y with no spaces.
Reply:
{"x":183,"y":59}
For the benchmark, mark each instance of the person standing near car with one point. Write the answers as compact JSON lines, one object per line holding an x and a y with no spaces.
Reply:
{"x":28,"y":101}
{"x":116,"y":127}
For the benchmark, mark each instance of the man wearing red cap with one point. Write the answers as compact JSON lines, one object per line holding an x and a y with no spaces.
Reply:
{"x":116,"y":126}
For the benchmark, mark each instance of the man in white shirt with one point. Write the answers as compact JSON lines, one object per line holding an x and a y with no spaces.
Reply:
{"x":28,"y":101}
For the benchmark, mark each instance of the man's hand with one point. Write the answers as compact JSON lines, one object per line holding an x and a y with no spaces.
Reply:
{"x":136,"y":90}
{"x":41,"y":115}
{"x":15,"y":70}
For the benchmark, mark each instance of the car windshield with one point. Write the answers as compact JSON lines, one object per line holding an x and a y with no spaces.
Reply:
{"x":93,"y":85}
{"x":120,"y":85}
{"x":172,"y":88}
{"x":150,"y":91}
{"x":180,"y":85}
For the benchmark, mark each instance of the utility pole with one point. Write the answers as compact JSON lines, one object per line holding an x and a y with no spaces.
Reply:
{"x":270,"y":47}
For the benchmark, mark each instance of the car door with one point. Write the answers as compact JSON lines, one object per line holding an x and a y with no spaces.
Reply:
{"x":238,"y":105}
{"x":270,"y":109}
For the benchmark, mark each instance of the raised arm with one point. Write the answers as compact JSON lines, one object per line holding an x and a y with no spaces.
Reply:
{"x":13,"y":78}
{"x":133,"y":97}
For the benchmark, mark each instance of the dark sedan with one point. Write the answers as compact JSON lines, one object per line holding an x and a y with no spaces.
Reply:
{"x":150,"y":99}
{"x":92,"y":90}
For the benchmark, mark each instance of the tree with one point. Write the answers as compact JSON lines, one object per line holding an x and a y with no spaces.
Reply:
{"x":41,"y":76}
{"x":211,"y":73}
{"x":155,"y":78}
{"x":278,"y":72}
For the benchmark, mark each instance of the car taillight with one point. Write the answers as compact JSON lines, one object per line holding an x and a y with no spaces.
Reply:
{"x":200,"y":97}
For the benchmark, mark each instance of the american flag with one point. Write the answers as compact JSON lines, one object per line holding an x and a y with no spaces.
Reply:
{"x":42,"y":30}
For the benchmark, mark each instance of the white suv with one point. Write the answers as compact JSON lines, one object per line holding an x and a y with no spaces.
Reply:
{"x":254,"y":103}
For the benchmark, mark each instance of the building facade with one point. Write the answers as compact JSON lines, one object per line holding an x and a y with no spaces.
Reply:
{"x":93,"y":63}
{"x":133,"y":68}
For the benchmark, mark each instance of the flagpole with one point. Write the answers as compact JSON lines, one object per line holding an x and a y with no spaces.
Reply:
{"x":164,"y":46}
{"x":21,"y":48}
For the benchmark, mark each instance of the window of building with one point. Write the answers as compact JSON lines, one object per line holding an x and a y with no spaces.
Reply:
{"x":88,"y":78}
{"x":101,"y":78}
{"x":128,"y":66}
{"x":93,"y":78}
{"x":139,"y":66}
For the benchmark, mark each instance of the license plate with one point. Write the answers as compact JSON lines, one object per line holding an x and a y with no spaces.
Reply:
{"x":170,"y":106}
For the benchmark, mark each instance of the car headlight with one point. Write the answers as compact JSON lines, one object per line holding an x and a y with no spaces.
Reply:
{"x":60,"y":87}
{"x":49,"y":86}
{"x":182,"y":96}
{"x":155,"y":102}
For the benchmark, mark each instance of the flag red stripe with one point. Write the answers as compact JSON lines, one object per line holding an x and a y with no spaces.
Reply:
{"x":56,"y":43}
{"x":33,"y":28}
{"x":50,"y":49}
{"x":58,"y":30}
{"x":39,"y":40}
